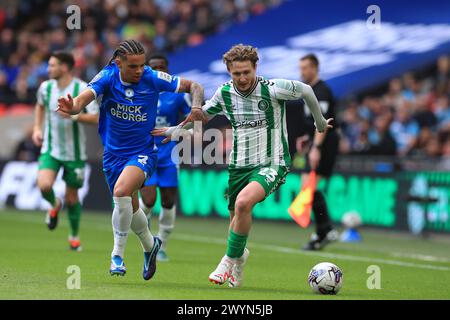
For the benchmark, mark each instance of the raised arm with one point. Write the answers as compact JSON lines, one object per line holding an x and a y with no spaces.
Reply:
{"x":75,"y":106}
{"x":293,"y":90}
{"x":313,"y":104}
{"x":197,"y":95}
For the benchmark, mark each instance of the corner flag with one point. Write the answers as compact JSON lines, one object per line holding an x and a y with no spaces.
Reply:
{"x":300,"y":209}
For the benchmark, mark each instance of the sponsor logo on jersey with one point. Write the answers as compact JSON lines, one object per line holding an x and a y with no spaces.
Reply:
{"x":250,"y":123}
{"x":164,"y":76}
{"x":97,"y":77}
{"x":131,"y":113}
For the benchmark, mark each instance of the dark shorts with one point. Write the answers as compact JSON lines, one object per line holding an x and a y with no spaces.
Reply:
{"x":328,"y":154}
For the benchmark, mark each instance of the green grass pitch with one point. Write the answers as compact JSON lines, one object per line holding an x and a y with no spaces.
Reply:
{"x":35,"y":262}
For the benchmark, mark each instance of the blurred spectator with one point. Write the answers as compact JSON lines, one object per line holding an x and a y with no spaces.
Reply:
{"x":350,"y":128}
{"x":442,"y":112}
{"x":394,"y":97}
{"x":380,"y":138}
{"x":442,"y":78}
{"x":404,"y":129}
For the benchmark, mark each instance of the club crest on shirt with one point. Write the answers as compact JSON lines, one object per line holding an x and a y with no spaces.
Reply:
{"x":129,"y":94}
{"x":263,"y":105}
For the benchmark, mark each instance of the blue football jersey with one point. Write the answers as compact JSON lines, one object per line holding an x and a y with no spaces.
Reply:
{"x":170,"y":105}
{"x":128,"y":110}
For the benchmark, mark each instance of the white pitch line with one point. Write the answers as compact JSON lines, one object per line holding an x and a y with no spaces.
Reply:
{"x":194,"y":238}
{"x":422,"y":257}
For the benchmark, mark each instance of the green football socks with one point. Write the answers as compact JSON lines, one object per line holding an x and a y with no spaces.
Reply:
{"x":74,"y":213}
{"x":236,"y":244}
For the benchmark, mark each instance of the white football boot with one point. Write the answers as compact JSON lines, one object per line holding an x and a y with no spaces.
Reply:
{"x":237,"y":272}
{"x":223,"y":271}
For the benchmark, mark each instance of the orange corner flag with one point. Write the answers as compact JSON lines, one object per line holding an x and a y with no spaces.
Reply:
{"x":300,"y":209}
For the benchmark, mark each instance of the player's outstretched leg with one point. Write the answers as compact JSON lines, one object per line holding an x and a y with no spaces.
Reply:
{"x":150,"y":244}
{"x":237,"y":272}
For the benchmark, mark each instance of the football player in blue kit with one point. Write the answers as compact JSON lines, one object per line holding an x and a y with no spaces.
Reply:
{"x":129,"y":92}
{"x":170,"y":107}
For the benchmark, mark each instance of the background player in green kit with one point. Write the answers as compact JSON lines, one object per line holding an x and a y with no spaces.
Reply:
{"x":63,"y":141}
{"x":260,"y":158}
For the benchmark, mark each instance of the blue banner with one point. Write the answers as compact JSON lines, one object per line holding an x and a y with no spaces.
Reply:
{"x":360,"y":45}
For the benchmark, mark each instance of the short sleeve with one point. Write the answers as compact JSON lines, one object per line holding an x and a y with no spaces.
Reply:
{"x":214,"y":106}
{"x":185,"y":103}
{"x":99,"y":83}
{"x":165,"y":82}
{"x":287,"y":89}
{"x":91,"y":108}
{"x":40,"y":98}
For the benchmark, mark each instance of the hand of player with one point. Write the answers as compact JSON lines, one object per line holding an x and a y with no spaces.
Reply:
{"x":66,"y":105}
{"x":37,"y":137}
{"x":195,"y":115}
{"x":161,"y":132}
{"x":327,"y":126}
{"x":300,"y":144}
{"x":314,"y":158}
{"x":63,"y":114}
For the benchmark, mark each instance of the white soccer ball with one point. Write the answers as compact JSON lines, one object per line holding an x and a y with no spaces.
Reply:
{"x":325,"y":278}
{"x":351,"y":220}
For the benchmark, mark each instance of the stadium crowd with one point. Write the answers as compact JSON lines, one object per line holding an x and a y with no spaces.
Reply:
{"x":30,"y":30}
{"x":410,"y":118}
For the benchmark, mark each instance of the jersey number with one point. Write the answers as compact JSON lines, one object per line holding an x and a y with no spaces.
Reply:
{"x":142,"y":159}
{"x":269,"y":173}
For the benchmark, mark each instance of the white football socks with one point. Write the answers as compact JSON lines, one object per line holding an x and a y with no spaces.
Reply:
{"x":139,"y":225}
{"x":166,"y":225}
{"x":121,"y":222}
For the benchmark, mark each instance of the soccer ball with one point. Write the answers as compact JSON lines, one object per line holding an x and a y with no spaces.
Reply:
{"x":325,"y":278}
{"x":351,"y":220}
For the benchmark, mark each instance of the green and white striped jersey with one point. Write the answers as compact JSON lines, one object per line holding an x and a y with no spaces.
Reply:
{"x":64,"y":139}
{"x":258,"y":119}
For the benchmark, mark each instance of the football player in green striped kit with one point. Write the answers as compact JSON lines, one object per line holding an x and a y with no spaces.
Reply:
{"x":259,"y":159}
{"x":63,"y":142}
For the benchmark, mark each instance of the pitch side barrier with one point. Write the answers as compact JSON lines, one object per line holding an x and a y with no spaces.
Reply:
{"x":409,"y":195}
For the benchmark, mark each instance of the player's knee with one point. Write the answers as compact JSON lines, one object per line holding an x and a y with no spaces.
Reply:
{"x":45,"y":186}
{"x":149,"y":202}
{"x":242,"y":206}
{"x":121,"y":191}
{"x":71,"y":199}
